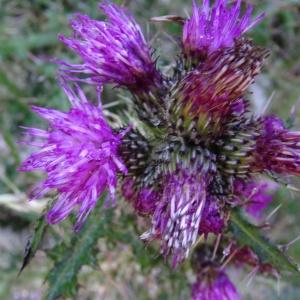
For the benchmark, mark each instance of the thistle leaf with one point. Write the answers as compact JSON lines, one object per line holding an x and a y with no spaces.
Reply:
{"x":34,"y":242}
{"x":248,"y":234}
{"x":62,"y":278}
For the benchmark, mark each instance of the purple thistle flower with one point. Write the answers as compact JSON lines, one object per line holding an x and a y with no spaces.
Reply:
{"x":178,"y":214}
{"x":79,"y":154}
{"x":212,"y":28}
{"x":278,"y":149}
{"x":212,"y":92}
{"x":256,"y":194}
{"x":213,"y":284}
{"x":114,"y":51}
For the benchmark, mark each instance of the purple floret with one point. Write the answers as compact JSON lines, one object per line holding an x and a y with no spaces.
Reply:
{"x":113,"y":51}
{"x":214,"y":286}
{"x":78,"y":153}
{"x":212,"y":221}
{"x":257,"y":195}
{"x":143,"y":200}
{"x":278,"y":149}
{"x":215,"y":27}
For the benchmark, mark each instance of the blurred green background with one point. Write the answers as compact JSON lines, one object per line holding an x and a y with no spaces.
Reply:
{"x":28,"y":38}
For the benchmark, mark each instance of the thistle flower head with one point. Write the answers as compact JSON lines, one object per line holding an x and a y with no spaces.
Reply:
{"x":278,"y":149}
{"x":211,"y":280}
{"x":178,"y":213}
{"x":212,"y":91}
{"x":78,"y":153}
{"x":214,"y":284}
{"x":215,"y":27}
{"x":256,"y":195}
{"x":114,"y":51}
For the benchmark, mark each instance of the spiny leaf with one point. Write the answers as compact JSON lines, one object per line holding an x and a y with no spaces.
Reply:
{"x":248,"y":234}
{"x":34,"y":242}
{"x":62,"y":279}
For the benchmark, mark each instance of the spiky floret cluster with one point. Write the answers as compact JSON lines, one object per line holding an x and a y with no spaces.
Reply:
{"x":212,"y":28}
{"x":79,"y":153}
{"x":113,"y":51}
{"x":214,"y":285}
{"x":178,"y":213}
{"x":211,"y":281}
{"x":278,"y":147}
{"x":198,"y":142}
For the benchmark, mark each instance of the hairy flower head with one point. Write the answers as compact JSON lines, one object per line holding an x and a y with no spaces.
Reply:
{"x":214,"y":284}
{"x":256,"y":195}
{"x":278,"y":148}
{"x":113,"y":51}
{"x":78,"y":153}
{"x":213,"y":27}
{"x":178,"y":213}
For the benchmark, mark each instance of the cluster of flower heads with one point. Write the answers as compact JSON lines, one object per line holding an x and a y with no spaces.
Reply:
{"x":202,"y":152}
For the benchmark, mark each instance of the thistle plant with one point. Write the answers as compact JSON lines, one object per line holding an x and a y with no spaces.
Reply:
{"x":192,"y":158}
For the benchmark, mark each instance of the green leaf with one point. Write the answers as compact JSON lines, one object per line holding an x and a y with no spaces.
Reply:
{"x":34,"y":242}
{"x":62,"y":278}
{"x":248,"y":234}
